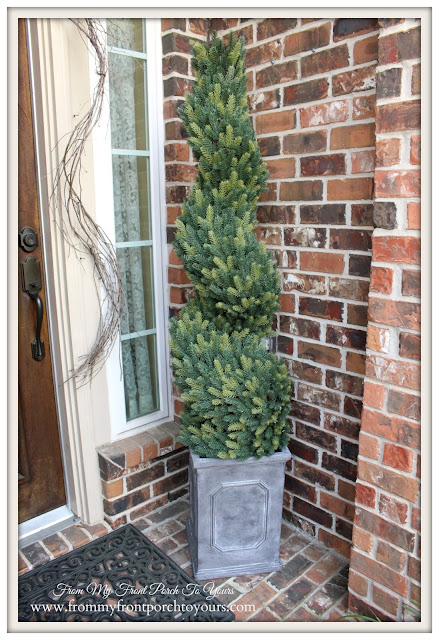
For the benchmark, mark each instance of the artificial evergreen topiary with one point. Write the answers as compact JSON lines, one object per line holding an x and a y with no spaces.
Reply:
{"x":236,"y":394}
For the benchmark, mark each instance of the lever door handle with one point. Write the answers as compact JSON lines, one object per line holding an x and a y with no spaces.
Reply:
{"x":37,"y":345}
{"x":31,"y":283}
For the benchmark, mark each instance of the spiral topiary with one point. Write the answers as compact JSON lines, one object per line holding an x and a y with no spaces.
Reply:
{"x":236,"y":395}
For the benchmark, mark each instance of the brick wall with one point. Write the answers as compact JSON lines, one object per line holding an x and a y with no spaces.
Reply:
{"x":312,"y":99}
{"x":385,"y":565}
{"x":141,"y":473}
{"x":313,"y":92}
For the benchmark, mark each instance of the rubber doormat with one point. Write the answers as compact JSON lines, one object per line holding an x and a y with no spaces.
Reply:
{"x":121,"y":577}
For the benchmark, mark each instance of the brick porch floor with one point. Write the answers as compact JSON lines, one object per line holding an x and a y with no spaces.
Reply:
{"x":312,"y":586}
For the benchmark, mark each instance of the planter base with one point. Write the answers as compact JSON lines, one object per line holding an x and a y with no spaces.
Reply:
{"x":235,"y":515}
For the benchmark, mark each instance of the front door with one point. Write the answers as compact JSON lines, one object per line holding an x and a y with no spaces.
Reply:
{"x":40,"y":471}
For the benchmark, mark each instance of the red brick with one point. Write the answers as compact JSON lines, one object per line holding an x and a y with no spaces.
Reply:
{"x":381,"y":280}
{"x":282,"y":168}
{"x":346,"y":337}
{"x":411,"y":283}
{"x":404,"y":404}
{"x":388,"y":152}
{"x":269,"y":235}
{"x":363,"y":161}
{"x":323,"y":165}
{"x":322,"y":262}
{"x":416,"y":79}
{"x":176,"y":86}
{"x":319,"y":353}
{"x":362,"y":79}
{"x":374,"y":394}
{"x":181,"y":173}
{"x":197,"y":25}
{"x":362,"y":215}
{"x":389,"y":83}
{"x":355,"y":362}
{"x":287,"y":302}
{"x":346,"y":490}
{"x":177,"y":152}
{"x":410,"y":346}
{"x":379,"y":573}
{"x":350,"y":288}
{"x":403,"y":45}
{"x":333,"y":541}
{"x":321,"y":397}
{"x":305,"y":142}
{"x":324,"y":61}
{"x":307,"y":40}
{"x":390,"y":556}
{"x":363,"y":107}
{"x":397,"y":249}
{"x":301,"y":190}
{"x":335,"y":505}
{"x":414,"y":215}
{"x":393,"y":509}
{"x":263,"y":53}
{"x":399,"y":184}
{"x":112,"y":489}
{"x":173,"y":23}
{"x":277,"y":74}
{"x":245,"y":32}
{"x":406,"y":315}
{"x":174,"y":63}
{"x":385,"y":600}
{"x":415,"y":150}
{"x":398,"y":457}
{"x":416,"y":519}
{"x":362,"y":540}
{"x":399,"y":116}
{"x":351,"y":189}
{"x":358,"y":583}
{"x":320,"y":308}
{"x":177,"y":276}
{"x":365,"y":495}
{"x":350,"y":27}
{"x":353,"y":239}
{"x":271,"y":193}
{"x":272,"y":122}
{"x":306,"y":91}
{"x":269,"y":146}
{"x":366,"y":50}
{"x":378,"y":339}
{"x":388,"y":480}
{"x":335,"y":111}
{"x":264,"y":100}
{"x":369,"y":447}
{"x":354,"y":136}
{"x":402,"y":374}
{"x":272,"y":26}
{"x":220,"y":24}
{"x":276,"y":214}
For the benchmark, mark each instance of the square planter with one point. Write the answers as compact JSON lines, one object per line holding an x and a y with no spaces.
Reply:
{"x":235,"y":514}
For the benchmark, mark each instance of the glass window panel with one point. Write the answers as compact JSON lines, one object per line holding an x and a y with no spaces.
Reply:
{"x":131,"y":198}
{"x":140,"y":376}
{"x":125,"y":33}
{"x":127,"y":80}
{"x":138,"y":283}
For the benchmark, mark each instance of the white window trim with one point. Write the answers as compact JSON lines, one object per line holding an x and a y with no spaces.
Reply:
{"x":103,"y":178}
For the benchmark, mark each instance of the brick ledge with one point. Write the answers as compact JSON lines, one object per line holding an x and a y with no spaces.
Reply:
{"x":123,"y":456}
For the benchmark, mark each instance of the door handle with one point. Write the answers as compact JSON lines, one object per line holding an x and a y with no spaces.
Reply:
{"x":31,"y":283}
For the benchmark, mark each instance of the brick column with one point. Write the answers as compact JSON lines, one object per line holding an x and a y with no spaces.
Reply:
{"x":385,"y":565}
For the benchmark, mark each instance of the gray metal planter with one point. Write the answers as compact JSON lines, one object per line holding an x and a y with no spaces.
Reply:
{"x":235,"y":514}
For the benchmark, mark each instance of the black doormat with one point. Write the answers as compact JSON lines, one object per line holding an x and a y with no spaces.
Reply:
{"x":121,"y":577}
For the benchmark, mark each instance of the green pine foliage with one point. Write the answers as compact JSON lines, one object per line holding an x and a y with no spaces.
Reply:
{"x":236,"y":395}
{"x":233,"y":274}
{"x":234,"y":392}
